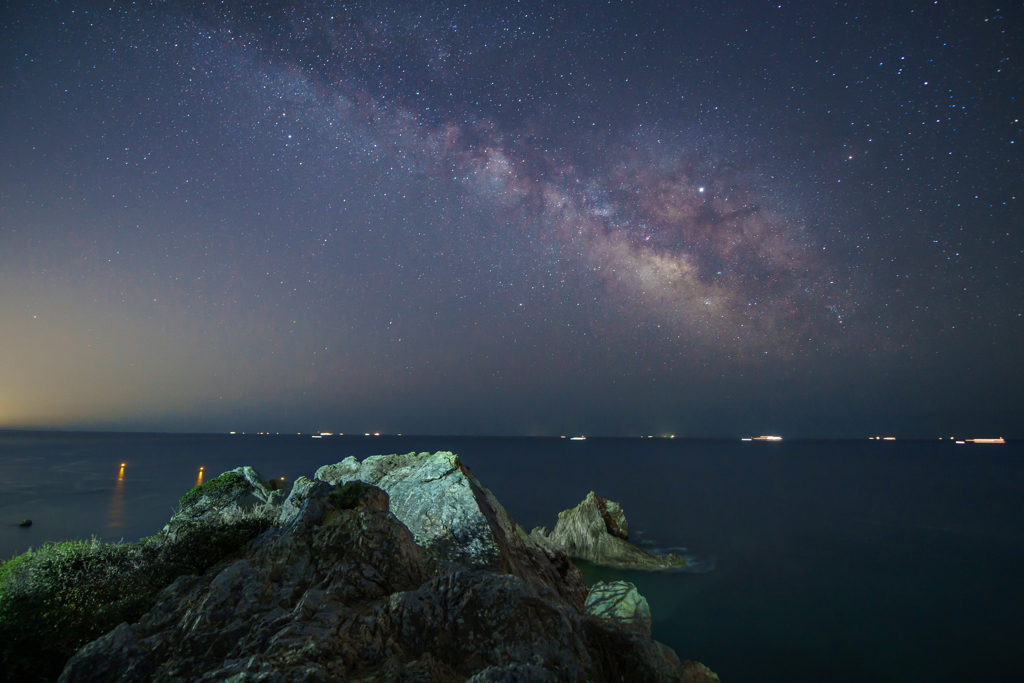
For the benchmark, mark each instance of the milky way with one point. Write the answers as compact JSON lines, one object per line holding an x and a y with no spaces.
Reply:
{"x":667,"y":227}
{"x":507,"y":219}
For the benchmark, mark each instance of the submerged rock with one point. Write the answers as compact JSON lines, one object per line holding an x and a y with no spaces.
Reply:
{"x":418,"y":574}
{"x":596,"y":530}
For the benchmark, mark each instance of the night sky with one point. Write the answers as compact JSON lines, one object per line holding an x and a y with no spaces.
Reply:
{"x":620,"y":218}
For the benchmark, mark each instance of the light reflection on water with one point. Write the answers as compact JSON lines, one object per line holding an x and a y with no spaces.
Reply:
{"x":199,"y":480}
{"x":117,"y":502}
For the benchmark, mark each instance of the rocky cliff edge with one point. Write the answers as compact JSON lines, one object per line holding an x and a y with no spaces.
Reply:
{"x":396,"y":568}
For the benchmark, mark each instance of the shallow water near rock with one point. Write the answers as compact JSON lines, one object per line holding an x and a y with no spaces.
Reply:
{"x":839,"y":561}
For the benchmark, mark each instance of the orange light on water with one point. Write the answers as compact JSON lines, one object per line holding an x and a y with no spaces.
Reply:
{"x":117,"y":501}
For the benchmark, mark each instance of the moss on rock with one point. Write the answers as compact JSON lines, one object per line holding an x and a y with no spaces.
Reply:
{"x":56,"y":598}
{"x":227,"y":485}
{"x":348,"y":496}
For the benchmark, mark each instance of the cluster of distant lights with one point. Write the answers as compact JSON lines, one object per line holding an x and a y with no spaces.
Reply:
{"x":321,"y":435}
{"x":1000,"y":439}
{"x":942,"y":438}
{"x":318,"y":435}
{"x":889,"y":438}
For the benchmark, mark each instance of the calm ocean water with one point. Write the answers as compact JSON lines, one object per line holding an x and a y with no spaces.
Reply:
{"x":819,"y":561}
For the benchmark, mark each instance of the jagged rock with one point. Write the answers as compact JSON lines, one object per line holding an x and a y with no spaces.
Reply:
{"x":695,"y":672}
{"x":596,"y":531}
{"x":514,"y":673}
{"x":302,"y":490}
{"x":614,"y":518}
{"x":233,"y":495}
{"x":268,"y":492}
{"x":346,"y":470}
{"x":341,"y":590}
{"x":458,"y":520}
{"x":277,"y":608}
{"x":621,"y":602}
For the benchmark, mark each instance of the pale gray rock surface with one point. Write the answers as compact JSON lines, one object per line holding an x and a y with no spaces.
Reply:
{"x":302,"y":490}
{"x":248,"y":495}
{"x":459,"y":521}
{"x":621,"y":602}
{"x":596,"y":530}
{"x":341,"y":591}
{"x":261,"y":488}
{"x":514,"y":673}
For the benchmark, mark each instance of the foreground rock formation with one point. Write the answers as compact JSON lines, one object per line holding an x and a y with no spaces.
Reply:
{"x":398,"y":568}
{"x":458,"y":521}
{"x":596,"y":530}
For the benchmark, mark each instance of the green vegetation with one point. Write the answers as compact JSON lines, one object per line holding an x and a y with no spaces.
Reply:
{"x":227,"y":485}
{"x":56,"y":598}
{"x":198,"y":545}
{"x":346,"y":496}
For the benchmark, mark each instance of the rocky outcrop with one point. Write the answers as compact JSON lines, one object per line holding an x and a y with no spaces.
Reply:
{"x":341,"y":588}
{"x":621,"y":602}
{"x":459,"y":521}
{"x":596,"y":530}
{"x":235,"y":493}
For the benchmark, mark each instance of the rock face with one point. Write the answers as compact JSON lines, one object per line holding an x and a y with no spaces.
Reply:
{"x":458,"y":521}
{"x":341,"y":588}
{"x":596,"y":530}
{"x":621,"y":602}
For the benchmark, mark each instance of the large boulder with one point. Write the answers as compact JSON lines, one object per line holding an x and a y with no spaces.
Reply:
{"x":621,"y":602}
{"x":235,"y":494}
{"x":274,"y":613}
{"x":458,"y":521}
{"x":596,"y":530}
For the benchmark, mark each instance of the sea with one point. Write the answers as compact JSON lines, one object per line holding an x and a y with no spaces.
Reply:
{"x":809,"y":560}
